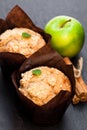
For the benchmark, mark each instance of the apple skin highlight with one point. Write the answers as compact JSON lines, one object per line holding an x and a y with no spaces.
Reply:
{"x":67,"y":35}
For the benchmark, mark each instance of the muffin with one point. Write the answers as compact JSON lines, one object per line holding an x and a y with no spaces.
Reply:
{"x":19,"y":39}
{"x":41,"y":84}
{"x":45,"y":86}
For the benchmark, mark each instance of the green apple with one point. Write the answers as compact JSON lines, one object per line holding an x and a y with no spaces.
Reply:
{"x":67,"y":35}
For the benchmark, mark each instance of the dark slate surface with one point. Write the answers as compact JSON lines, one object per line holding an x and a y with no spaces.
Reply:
{"x":40,"y":12}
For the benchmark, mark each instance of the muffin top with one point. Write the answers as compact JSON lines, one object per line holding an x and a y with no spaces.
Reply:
{"x":43,"y":83}
{"x":21,"y":40}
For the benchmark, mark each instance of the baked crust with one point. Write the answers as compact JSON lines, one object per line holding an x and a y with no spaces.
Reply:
{"x":13,"y":41}
{"x":42,"y":88}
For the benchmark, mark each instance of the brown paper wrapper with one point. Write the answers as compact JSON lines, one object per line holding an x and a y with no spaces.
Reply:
{"x":17,"y":18}
{"x":53,"y":111}
{"x":3,"y":26}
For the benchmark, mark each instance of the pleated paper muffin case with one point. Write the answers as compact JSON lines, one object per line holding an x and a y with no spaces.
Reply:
{"x":51,"y":112}
{"x":17,"y":18}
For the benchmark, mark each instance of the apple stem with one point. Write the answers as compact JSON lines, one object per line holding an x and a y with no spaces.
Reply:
{"x":65,"y":23}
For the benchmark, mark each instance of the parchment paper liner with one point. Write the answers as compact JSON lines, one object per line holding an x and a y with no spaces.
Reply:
{"x":51,"y":112}
{"x":16,"y":18}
